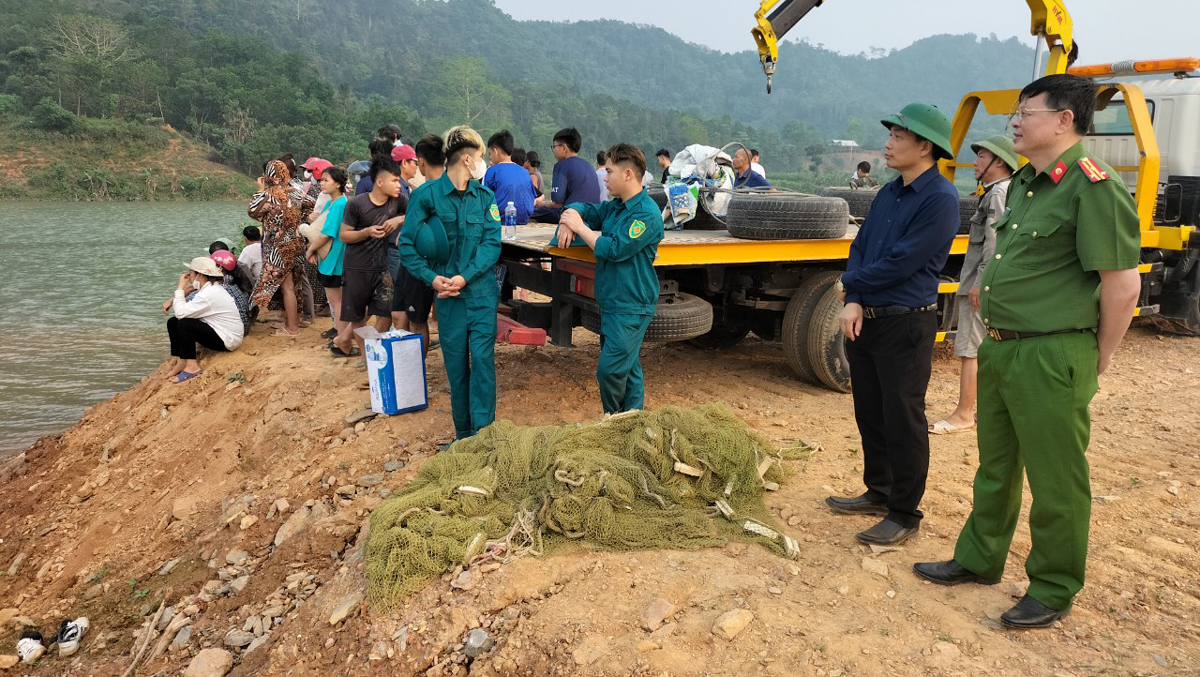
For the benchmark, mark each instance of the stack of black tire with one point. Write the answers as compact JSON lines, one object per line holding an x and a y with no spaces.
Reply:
{"x":783,"y":216}
{"x":858,"y":199}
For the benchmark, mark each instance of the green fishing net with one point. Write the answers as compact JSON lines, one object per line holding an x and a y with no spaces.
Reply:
{"x":671,"y":478}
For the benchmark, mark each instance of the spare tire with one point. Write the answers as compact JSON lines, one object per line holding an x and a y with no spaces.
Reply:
{"x":658,"y":193}
{"x":678,"y":317}
{"x":967,"y":205}
{"x":704,"y":220}
{"x":858,"y":199}
{"x":775,"y":216}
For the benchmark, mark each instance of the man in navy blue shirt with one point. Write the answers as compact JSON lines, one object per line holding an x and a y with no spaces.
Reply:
{"x":746,"y":176}
{"x":508,"y":180}
{"x":574,"y":179}
{"x":890,"y":321}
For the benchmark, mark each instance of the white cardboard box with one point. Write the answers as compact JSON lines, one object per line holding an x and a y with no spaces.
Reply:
{"x":395,"y":370}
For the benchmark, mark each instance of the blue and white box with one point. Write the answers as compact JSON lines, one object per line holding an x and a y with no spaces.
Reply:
{"x":395,"y":370}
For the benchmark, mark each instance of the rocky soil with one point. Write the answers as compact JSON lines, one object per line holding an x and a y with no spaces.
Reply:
{"x":215,"y":527}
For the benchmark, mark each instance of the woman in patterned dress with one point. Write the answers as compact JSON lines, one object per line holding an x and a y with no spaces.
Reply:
{"x":280,"y":207}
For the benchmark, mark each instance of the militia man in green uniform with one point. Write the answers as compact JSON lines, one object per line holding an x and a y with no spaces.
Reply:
{"x":623,"y":233}
{"x":451,"y":240}
{"x":1057,"y":298}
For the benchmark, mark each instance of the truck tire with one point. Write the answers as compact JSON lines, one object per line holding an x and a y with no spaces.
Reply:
{"x":771,"y":216}
{"x":678,"y":317}
{"x":796,"y":321}
{"x":967,"y":205}
{"x":704,"y":220}
{"x":858,"y":199}
{"x":826,"y":347}
{"x":658,"y":193}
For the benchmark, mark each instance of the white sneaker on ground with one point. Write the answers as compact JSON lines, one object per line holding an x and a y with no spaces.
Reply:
{"x":30,"y":647}
{"x":70,"y":634}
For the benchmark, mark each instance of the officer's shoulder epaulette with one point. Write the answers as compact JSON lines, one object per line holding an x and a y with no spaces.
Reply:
{"x":1093,"y":171}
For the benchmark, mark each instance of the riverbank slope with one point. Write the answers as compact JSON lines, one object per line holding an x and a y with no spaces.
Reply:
{"x":239,"y":499}
{"x":111,"y":160}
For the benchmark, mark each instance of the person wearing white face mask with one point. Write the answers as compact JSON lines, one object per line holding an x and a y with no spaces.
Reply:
{"x":210,"y":317}
{"x":450,"y":240}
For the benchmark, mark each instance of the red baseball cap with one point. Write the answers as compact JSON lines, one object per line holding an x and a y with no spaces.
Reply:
{"x":403,"y":152}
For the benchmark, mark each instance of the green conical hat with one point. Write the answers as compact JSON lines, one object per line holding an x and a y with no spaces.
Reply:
{"x":926,"y":121}
{"x":1002,"y":147}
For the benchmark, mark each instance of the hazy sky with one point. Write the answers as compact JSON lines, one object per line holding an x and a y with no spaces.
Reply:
{"x":1107,"y":30}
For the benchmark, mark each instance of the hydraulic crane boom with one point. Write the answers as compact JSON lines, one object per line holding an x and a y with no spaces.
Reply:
{"x":1049,"y":21}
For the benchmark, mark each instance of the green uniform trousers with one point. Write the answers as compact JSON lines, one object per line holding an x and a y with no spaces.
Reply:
{"x":467,"y":332}
{"x":1033,"y":417}
{"x":619,"y":370}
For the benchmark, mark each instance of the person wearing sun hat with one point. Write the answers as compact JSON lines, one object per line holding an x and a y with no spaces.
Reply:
{"x":210,"y":317}
{"x":890,"y":321}
{"x":995,"y":162}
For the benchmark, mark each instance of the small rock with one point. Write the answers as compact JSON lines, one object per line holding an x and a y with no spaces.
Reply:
{"x":239,"y":584}
{"x":393,"y":466}
{"x":880,"y":549}
{"x":181,"y":508}
{"x":794,"y":520}
{"x":237,"y":557}
{"x":210,"y":663}
{"x":946,"y":649}
{"x":166,"y":568}
{"x":293,"y":525}
{"x":272,"y":612}
{"x":488,"y":567}
{"x":360,"y":426}
{"x":370,"y":480}
{"x":775,"y":590}
{"x":248,"y":521}
{"x":17,"y":562}
{"x":477,"y":643}
{"x":259,"y":641}
{"x":183,"y":636}
{"x":874,"y":566}
{"x":654,"y":615}
{"x":731,"y":623}
{"x":647,"y":646}
{"x":1016,"y":589}
{"x":281,"y":506}
{"x":1105,"y":499}
{"x":360,"y":415}
{"x":8,"y":660}
{"x":346,"y":490}
{"x":662,"y":633}
{"x":346,"y":434}
{"x":93,"y":592}
{"x":1158,"y":660}
{"x":1173,"y":490}
{"x":345,"y":608}
{"x":165,"y":619}
{"x":464,"y":581}
{"x":401,"y":443}
{"x":238,"y":638}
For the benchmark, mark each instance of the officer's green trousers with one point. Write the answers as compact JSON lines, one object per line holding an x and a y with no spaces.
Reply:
{"x":1033,"y":417}
{"x":467,"y":333}
{"x":619,"y":370}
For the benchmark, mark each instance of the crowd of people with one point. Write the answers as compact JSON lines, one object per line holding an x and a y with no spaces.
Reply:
{"x":1048,"y":288}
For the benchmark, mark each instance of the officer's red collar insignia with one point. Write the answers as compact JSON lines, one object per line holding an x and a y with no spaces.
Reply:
{"x":1094,"y":173}
{"x":1057,"y":172}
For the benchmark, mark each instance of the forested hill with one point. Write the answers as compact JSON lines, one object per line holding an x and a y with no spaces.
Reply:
{"x":254,"y":77}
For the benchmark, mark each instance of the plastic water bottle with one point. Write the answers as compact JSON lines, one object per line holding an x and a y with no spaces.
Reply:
{"x":510,"y":221}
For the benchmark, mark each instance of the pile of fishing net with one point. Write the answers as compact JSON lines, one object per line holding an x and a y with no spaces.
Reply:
{"x":671,"y":478}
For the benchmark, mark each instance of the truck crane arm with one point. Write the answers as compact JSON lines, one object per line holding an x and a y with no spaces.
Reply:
{"x":775,"y":18}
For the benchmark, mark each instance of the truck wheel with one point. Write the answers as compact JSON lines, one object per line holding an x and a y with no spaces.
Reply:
{"x":770,"y":216}
{"x":826,"y":347}
{"x":704,"y":220}
{"x":796,"y":320}
{"x":858,"y":199}
{"x":967,"y":204}
{"x":678,"y":317}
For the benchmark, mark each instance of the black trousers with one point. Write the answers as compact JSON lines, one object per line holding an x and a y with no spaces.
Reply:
{"x":890,"y":364}
{"x":186,"y":333}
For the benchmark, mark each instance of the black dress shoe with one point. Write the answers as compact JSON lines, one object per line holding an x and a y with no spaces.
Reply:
{"x":950,"y":573}
{"x":856,"y":505}
{"x":886,"y":532}
{"x":1030,"y":613}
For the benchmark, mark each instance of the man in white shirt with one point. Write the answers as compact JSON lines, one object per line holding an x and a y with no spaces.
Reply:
{"x":754,"y":164}
{"x":250,"y":260}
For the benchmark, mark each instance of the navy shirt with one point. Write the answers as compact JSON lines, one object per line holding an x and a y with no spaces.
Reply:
{"x":511,"y":183}
{"x":574,"y":181}
{"x":751,"y":179}
{"x":898,"y":254}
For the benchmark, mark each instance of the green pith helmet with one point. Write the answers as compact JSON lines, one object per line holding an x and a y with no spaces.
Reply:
{"x":1002,"y":147}
{"x":926,"y":121}
{"x":431,"y":242}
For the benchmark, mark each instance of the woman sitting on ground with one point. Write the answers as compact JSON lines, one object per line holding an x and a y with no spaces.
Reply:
{"x":210,"y":318}
{"x":228,"y":263}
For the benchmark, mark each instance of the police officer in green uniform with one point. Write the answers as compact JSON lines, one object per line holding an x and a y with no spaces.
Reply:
{"x":623,"y":233}
{"x":451,"y":240}
{"x":1056,"y":299}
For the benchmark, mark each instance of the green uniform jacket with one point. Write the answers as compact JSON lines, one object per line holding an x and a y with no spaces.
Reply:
{"x":1061,"y":226}
{"x":625,"y":251}
{"x":472,"y":223}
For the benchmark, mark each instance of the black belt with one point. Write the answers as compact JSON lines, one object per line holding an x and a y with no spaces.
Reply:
{"x":1007,"y":335}
{"x":873,"y":312}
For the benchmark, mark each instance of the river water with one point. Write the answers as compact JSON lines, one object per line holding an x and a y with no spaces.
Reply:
{"x":81,"y":292}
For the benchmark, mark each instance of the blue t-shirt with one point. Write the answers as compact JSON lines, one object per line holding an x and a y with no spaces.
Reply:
{"x":751,"y":179}
{"x":511,"y":183}
{"x":574,"y":181}
{"x":332,"y":263}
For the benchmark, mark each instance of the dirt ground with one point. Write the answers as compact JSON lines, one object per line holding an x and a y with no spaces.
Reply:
{"x":170,"y":496}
